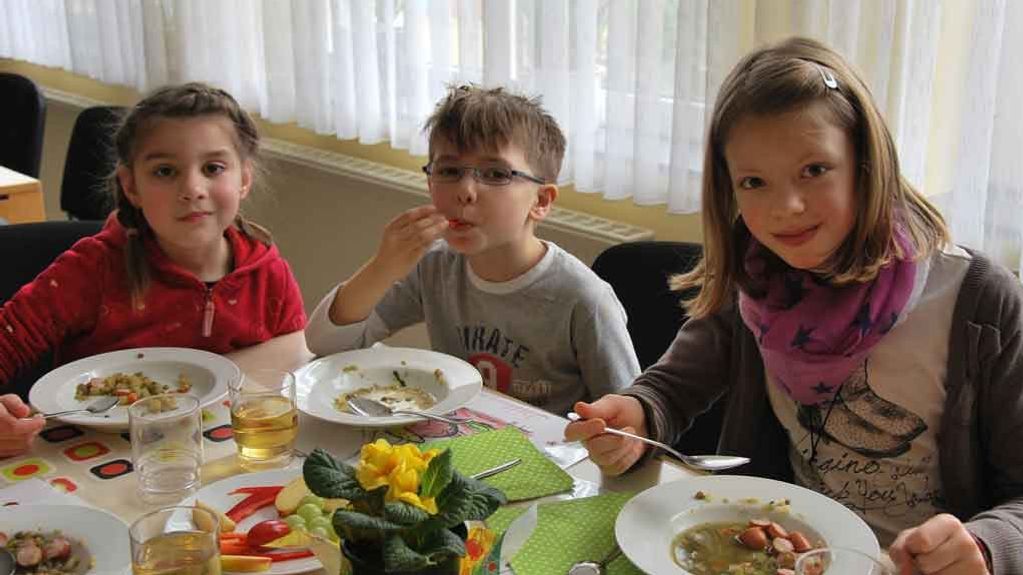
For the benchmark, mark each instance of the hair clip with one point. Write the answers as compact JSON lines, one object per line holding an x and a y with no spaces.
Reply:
{"x":828,"y":77}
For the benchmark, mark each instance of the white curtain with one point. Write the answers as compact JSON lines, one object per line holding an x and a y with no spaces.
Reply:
{"x":629,"y":81}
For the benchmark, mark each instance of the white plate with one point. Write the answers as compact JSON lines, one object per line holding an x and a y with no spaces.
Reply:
{"x":216,"y":496}
{"x":319,"y":383}
{"x":104,"y":536}
{"x":208,"y":372}
{"x":649,"y":522}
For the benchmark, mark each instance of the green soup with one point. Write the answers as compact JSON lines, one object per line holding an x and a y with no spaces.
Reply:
{"x":711,"y":549}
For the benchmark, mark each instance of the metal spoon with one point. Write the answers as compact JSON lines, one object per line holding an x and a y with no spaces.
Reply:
{"x":497,"y":469}
{"x":595,"y":567}
{"x":367,"y":407}
{"x":7,"y":564}
{"x":702,"y":462}
{"x":101,"y":405}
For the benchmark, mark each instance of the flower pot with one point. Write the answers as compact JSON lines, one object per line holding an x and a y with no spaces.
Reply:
{"x":367,"y":560}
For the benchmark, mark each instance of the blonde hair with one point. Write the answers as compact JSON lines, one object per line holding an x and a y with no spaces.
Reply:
{"x":189,"y":100}
{"x":474,"y":118}
{"x":782,"y":78}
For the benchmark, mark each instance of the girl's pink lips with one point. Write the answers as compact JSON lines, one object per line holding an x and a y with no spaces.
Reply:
{"x":194,"y":216}
{"x":798,"y":237}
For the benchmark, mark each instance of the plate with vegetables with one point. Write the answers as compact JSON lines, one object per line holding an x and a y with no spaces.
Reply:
{"x":67,"y":539}
{"x":407,"y":379}
{"x":131,"y":374}
{"x":724,"y":523}
{"x":265,"y":521}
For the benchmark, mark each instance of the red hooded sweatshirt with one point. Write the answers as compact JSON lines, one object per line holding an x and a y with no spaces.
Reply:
{"x":81,"y":304}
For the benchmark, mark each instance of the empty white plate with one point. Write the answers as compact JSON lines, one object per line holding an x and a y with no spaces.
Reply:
{"x":451,"y":381}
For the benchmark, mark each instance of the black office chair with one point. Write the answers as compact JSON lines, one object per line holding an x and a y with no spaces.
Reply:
{"x":90,"y":161}
{"x":22,"y":120}
{"x":639,"y":272}
{"x":26,"y":250}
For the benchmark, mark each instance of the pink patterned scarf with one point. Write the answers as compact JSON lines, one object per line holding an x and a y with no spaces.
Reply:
{"x":813,"y":335}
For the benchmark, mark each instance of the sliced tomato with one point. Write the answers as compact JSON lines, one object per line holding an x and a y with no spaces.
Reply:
{"x":267,"y":531}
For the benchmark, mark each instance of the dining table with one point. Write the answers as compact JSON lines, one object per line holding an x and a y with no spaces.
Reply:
{"x":21,"y":198}
{"x":95,"y":466}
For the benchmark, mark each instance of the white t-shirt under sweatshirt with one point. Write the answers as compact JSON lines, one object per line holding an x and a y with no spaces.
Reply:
{"x":877,"y":452}
{"x":552,"y":336}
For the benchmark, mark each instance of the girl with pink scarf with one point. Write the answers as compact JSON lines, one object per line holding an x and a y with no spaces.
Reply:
{"x":836,"y":274}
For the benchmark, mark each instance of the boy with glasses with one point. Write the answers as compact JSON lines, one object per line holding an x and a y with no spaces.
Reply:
{"x":536,"y":322}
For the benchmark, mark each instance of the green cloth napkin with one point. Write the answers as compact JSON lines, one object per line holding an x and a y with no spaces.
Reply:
{"x":499,"y":521}
{"x":536,"y":476}
{"x":571,"y":531}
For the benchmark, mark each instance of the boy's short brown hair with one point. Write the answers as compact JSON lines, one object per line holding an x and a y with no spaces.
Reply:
{"x":475,"y":118}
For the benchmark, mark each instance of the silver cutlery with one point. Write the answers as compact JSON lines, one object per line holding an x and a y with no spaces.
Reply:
{"x":497,"y":469}
{"x":367,"y":407}
{"x":702,"y":462}
{"x":595,"y":567}
{"x":101,"y":405}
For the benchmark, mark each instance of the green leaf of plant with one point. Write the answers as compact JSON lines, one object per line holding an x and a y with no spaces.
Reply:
{"x":404,"y":514}
{"x":437,"y":476}
{"x":373,"y":502}
{"x":463,"y":499}
{"x":483,"y":499}
{"x":331,"y":478}
{"x":452,"y":505}
{"x":360,"y":521}
{"x":441,"y":545}
{"x":400,"y":558}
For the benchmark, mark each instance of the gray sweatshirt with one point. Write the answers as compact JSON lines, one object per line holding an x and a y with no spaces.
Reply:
{"x":981,"y":431}
{"x":552,"y":336}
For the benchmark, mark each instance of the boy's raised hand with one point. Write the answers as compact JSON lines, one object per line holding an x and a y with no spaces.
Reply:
{"x":17,"y":430}
{"x":612,"y":453}
{"x":937,"y":546}
{"x":406,"y":238}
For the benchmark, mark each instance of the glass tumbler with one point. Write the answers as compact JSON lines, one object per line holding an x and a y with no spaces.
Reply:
{"x":264,"y":418}
{"x":166,"y":446}
{"x":178,"y":540}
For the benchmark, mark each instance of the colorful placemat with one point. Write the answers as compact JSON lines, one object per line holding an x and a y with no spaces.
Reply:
{"x":571,"y":531}
{"x":536,"y":476}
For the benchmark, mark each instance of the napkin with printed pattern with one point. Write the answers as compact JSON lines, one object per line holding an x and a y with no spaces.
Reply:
{"x":536,"y":476}
{"x":571,"y":531}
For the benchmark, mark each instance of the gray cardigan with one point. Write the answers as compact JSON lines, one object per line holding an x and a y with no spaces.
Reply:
{"x":981,"y":432}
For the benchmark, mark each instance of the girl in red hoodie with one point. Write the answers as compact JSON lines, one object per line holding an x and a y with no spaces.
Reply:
{"x":175,"y":265}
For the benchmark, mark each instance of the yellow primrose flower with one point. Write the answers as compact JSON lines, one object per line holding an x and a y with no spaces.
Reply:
{"x":370,"y":477}
{"x":375,"y":464}
{"x":399,"y":467}
{"x":428,"y":504}
{"x":378,"y":453}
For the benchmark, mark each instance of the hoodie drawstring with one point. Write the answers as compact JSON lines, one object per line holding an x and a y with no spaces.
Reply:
{"x":207,"y":316}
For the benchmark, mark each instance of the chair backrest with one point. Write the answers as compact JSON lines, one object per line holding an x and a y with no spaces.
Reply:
{"x":90,"y":161}
{"x":26,"y":250}
{"x":639,"y":272}
{"x":22,"y":120}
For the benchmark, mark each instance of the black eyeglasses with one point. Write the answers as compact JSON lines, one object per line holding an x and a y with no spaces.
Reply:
{"x":494,"y":176}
